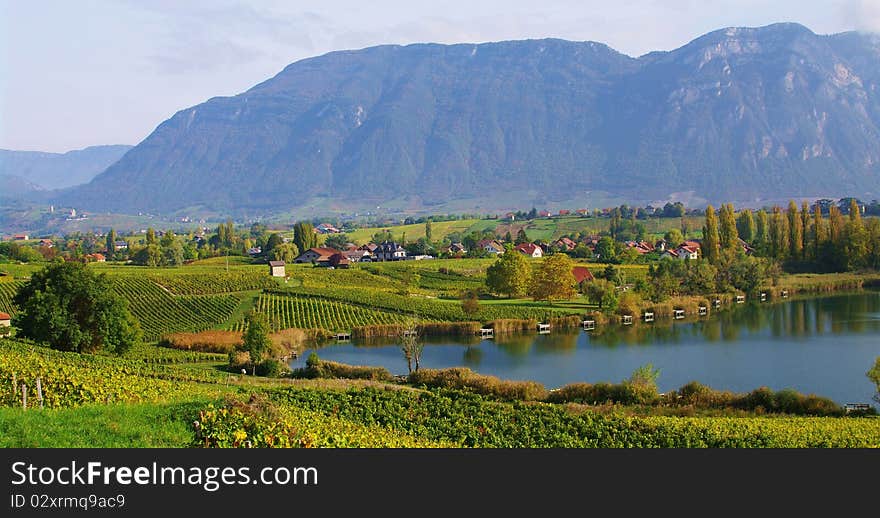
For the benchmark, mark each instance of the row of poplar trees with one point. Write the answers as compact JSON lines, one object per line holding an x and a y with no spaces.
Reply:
{"x":802,"y":237}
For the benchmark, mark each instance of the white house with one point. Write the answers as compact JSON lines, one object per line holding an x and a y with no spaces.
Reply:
{"x":389,"y":251}
{"x":530,"y":249}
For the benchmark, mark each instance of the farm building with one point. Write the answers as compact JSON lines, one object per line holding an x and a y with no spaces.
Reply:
{"x":277,"y":269}
{"x":5,"y":320}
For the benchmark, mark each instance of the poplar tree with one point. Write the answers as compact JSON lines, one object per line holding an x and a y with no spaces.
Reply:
{"x":745,"y":226}
{"x":795,"y":231}
{"x":778,"y":235}
{"x":762,"y":229}
{"x":805,"y":230}
{"x":111,"y":244}
{"x":711,"y":238}
{"x":728,"y":233}
{"x":856,"y":244}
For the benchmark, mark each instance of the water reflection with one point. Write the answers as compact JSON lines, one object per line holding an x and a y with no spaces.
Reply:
{"x":815,"y":345}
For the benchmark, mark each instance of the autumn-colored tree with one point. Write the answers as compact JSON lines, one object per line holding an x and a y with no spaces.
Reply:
{"x":553,"y":279}
{"x":795,"y":231}
{"x":510,"y":274}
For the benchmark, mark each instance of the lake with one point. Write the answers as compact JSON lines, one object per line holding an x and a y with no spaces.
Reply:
{"x":822,"y":345}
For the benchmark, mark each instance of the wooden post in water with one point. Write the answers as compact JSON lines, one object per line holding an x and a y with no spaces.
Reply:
{"x":40,"y":391}
{"x":24,"y":396}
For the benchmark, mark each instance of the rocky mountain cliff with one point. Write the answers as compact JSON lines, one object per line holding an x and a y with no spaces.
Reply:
{"x":739,"y":114}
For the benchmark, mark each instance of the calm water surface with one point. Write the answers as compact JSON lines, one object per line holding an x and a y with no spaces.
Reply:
{"x":822,"y":346}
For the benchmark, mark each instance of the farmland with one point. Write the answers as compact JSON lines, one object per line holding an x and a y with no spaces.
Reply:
{"x":101,"y":401}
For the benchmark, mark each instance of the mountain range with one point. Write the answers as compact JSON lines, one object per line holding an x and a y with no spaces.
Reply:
{"x":27,"y":171}
{"x":739,"y":114}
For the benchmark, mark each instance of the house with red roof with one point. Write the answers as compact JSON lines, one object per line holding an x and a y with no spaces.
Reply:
{"x":582,"y":274}
{"x":5,"y":320}
{"x":530,"y":249}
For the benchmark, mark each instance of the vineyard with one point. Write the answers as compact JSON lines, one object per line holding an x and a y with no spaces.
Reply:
{"x":428,"y":308}
{"x":71,"y":379}
{"x":309,"y":312}
{"x":159,"y":312}
{"x":469,"y":420}
{"x":214,"y":283}
{"x":7,"y":291}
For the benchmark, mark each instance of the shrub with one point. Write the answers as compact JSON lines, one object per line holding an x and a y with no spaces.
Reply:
{"x":272,"y":368}
{"x":317,"y":368}
{"x":464,"y":378}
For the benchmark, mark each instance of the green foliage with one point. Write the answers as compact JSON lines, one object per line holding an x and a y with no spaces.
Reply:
{"x":304,"y":236}
{"x":711,"y":237}
{"x":255,"y":340}
{"x":510,"y":274}
{"x":317,"y":368}
{"x":72,"y":379}
{"x":70,"y":307}
{"x":464,"y":379}
{"x":874,"y":376}
{"x":467,"y":419}
{"x":258,"y":423}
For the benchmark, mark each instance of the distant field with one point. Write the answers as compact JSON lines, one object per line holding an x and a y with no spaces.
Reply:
{"x":546,"y":229}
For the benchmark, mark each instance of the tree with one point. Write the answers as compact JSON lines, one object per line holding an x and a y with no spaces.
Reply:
{"x":256,"y":341}
{"x":151,"y":237}
{"x":728,"y":234}
{"x":508,"y":238}
{"x":275,"y":239}
{"x":429,"y":236}
{"x":745,"y":226}
{"x":470,"y":303}
{"x":874,"y":376}
{"x":510,"y":274}
{"x":762,"y":230}
{"x":172,"y":253}
{"x":711,"y":238}
{"x":521,"y":236}
{"x":795,"y":232}
{"x":806,"y":249}
{"x":819,"y":235}
{"x":674,"y":237}
{"x":603,"y":293}
{"x":304,"y":236}
{"x":553,"y":279}
{"x":111,"y":244}
{"x":412,"y":347}
{"x":779,"y":243}
{"x":150,"y":255}
{"x":605,"y":249}
{"x":856,"y":248}
{"x":70,"y":307}
{"x":286,"y":252}
{"x":336,"y":241}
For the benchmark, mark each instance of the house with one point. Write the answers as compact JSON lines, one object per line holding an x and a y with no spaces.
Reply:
{"x":389,"y":251}
{"x":683,"y":251}
{"x":641,"y":247}
{"x":545,"y":213}
{"x":120,"y":245}
{"x":582,"y":274}
{"x":20,"y":237}
{"x":357,"y":255}
{"x":660,"y":245}
{"x":583,"y":212}
{"x":277,"y":269}
{"x":457,"y":248}
{"x":326,"y":228}
{"x":316,"y":255}
{"x":95,"y":258}
{"x":564,"y":243}
{"x":369,"y":247}
{"x":339,"y":260}
{"x":491,"y":246}
{"x":5,"y":320}
{"x":254,"y":250}
{"x":530,"y":249}
{"x":46,"y":243}
{"x":510,"y":216}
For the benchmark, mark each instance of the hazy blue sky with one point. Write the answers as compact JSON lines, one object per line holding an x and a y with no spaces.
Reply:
{"x":74,"y":74}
